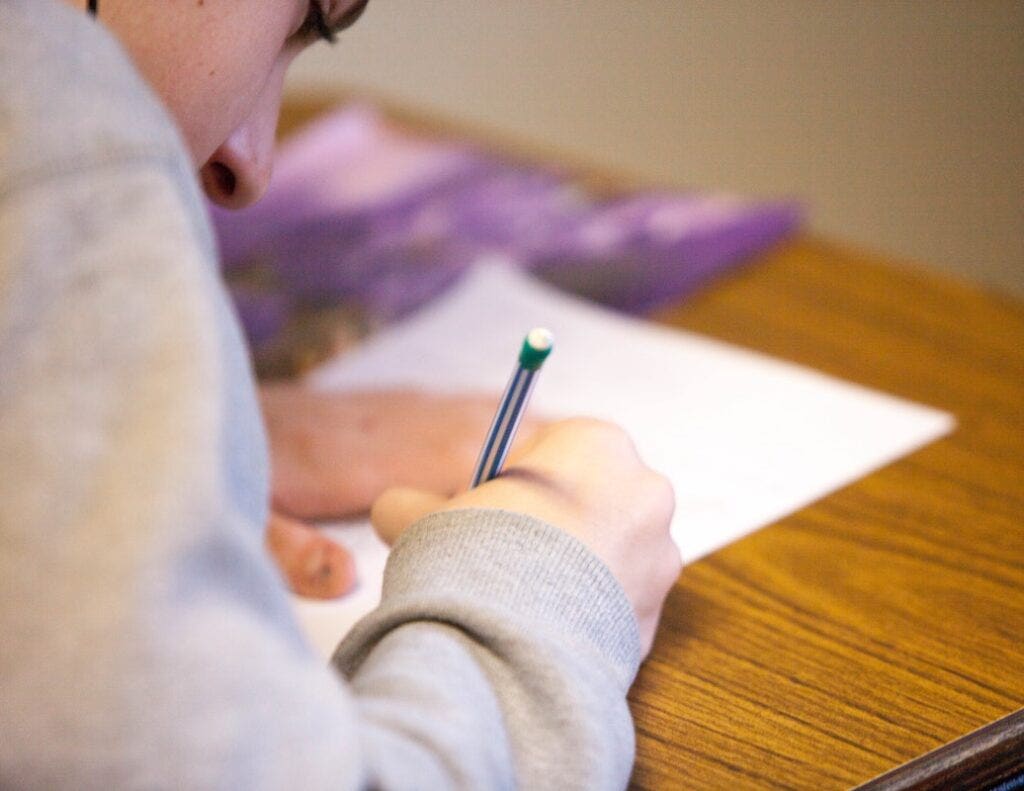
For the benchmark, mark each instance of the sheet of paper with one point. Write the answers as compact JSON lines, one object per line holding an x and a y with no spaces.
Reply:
{"x":745,"y":439}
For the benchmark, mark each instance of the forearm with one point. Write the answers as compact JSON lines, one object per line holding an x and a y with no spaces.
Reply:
{"x":500,"y":655}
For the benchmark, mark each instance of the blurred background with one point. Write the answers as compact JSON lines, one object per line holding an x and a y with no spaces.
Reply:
{"x":900,"y":125}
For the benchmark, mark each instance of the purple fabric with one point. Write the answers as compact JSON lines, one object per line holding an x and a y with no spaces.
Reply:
{"x":360,"y":214}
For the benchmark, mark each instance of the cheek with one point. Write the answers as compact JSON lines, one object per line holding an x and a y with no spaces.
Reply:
{"x":214,"y":69}
{"x":221,"y":97}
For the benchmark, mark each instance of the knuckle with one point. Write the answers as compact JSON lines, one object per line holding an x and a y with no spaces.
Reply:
{"x":599,"y":433}
{"x":671,"y":565}
{"x":589,"y":425}
{"x":662,"y":493}
{"x":675,"y":558}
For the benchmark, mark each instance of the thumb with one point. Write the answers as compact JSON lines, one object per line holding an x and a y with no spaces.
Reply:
{"x":398,"y":507}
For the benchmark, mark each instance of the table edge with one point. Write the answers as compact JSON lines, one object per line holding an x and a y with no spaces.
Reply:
{"x":983,"y":758}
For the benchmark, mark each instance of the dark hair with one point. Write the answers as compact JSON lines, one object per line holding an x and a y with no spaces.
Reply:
{"x":94,"y":7}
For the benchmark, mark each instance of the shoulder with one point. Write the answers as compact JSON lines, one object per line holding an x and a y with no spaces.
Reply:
{"x":71,"y":99}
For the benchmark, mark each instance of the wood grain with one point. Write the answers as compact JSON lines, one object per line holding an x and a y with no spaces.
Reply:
{"x":887,"y":619}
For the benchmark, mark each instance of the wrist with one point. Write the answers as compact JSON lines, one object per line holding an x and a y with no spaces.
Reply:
{"x":507,"y":561}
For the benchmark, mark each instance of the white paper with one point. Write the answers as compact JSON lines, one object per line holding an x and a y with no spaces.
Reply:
{"x":745,"y":439}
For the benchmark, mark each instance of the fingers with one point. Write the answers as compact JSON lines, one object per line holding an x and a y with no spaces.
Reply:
{"x":335,"y":453}
{"x":312,"y":564}
{"x":399,"y":507}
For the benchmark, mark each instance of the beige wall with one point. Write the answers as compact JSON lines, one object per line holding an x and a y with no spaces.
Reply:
{"x":900,"y":123}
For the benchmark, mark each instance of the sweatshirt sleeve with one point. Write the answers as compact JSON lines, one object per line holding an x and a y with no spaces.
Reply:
{"x":147,"y":641}
{"x":500,"y":655}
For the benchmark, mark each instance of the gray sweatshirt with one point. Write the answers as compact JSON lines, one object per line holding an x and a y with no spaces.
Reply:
{"x":146,"y":640}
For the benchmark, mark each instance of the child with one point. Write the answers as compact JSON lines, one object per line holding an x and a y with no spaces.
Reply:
{"x":147,"y":640}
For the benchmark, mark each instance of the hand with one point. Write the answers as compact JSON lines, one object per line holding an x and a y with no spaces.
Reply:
{"x":585,"y":477}
{"x":332,"y":454}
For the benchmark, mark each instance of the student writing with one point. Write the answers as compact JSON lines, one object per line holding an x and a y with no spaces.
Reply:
{"x":147,"y":641}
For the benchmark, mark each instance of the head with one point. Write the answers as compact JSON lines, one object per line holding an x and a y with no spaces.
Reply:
{"x":219,"y":66}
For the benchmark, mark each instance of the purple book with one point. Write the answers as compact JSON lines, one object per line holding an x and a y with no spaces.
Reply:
{"x":363,"y":223}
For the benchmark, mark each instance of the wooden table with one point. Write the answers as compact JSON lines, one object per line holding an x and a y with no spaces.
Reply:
{"x":886,"y":620}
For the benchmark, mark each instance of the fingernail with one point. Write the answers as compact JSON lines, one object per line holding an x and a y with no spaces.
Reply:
{"x":318,"y":567}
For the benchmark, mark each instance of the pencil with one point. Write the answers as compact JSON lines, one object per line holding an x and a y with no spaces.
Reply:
{"x":536,"y":347}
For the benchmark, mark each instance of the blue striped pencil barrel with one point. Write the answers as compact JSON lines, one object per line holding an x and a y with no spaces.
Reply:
{"x":536,"y":348}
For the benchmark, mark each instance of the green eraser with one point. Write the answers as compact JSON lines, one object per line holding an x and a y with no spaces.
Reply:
{"x":536,"y":348}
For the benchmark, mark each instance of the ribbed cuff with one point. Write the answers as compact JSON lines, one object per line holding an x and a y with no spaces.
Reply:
{"x":511,"y":562}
